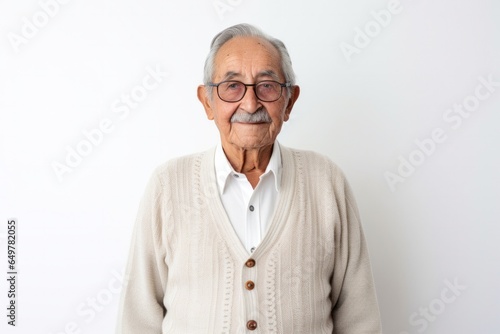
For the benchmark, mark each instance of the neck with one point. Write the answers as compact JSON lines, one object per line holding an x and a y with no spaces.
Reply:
{"x":251,"y":162}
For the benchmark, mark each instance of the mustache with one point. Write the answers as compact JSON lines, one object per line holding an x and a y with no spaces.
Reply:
{"x":260,"y":116}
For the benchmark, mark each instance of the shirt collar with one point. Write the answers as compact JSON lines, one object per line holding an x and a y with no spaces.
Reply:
{"x":223,"y":169}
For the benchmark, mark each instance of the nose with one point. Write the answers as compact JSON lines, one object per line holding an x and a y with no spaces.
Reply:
{"x":250,"y":103}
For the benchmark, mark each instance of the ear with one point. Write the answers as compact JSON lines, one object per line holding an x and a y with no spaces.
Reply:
{"x":205,"y":100}
{"x":294,"y":95}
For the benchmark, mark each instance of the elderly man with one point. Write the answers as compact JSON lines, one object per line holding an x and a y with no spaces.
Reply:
{"x":250,"y":236}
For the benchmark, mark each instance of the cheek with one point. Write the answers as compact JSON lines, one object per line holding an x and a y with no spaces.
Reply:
{"x":278,"y":113}
{"x":223,"y":115}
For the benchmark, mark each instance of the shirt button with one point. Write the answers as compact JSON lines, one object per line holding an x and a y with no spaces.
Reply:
{"x":252,"y":325}
{"x":250,"y":263}
{"x":236,"y":175}
{"x":252,"y":249}
{"x":251,"y":208}
{"x":249,"y":285}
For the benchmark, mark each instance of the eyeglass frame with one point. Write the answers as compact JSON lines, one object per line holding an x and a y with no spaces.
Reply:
{"x":283,"y":85}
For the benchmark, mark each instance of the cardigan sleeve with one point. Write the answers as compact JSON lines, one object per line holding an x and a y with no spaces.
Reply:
{"x":141,"y":307}
{"x":355,"y":308}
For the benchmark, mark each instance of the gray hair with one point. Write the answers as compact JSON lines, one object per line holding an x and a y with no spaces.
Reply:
{"x":246,"y":30}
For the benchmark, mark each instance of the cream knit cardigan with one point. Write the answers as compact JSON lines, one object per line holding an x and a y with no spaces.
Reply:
{"x":187,"y":269}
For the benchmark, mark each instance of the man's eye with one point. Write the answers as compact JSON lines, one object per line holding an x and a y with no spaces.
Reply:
{"x":267,"y":87}
{"x":233,"y":86}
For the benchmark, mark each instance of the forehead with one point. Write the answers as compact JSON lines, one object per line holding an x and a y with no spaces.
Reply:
{"x":247,"y":57}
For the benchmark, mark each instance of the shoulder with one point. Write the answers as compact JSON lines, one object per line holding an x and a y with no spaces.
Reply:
{"x":320,"y":175}
{"x":312,"y":162}
{"x":176,"y":169}
{"x":182,"y":163}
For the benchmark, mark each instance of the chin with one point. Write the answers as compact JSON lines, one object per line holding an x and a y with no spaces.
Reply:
{"x":253,"y":143}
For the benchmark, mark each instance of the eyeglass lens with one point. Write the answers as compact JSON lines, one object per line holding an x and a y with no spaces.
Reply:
{"x":266,"y":91}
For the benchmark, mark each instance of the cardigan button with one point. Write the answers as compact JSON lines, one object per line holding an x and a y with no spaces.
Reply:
{"x":249,"y":285}
{"x":250,"y":263}
{"x":252,"y":325}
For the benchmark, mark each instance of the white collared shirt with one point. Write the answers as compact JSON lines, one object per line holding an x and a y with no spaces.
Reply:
{"x":249,"y":210}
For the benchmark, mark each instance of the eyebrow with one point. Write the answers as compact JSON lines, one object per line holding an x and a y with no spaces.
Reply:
{"x":266,"y":73}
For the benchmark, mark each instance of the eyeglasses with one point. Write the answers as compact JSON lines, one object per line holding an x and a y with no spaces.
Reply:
{"x":234,"y":91}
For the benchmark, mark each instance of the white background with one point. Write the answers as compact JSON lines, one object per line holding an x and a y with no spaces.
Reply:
{"x":364,"y":111}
